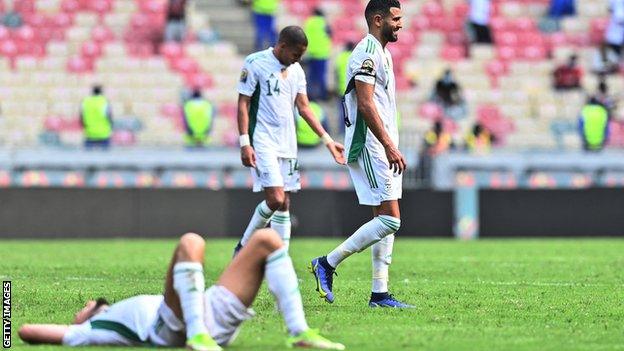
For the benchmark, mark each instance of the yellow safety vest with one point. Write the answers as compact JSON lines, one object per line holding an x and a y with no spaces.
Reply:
{"x":319,"y":43}
{"x":342,"y":62}
{"x":97,"y":126}
{"x":198,"y":114}
{"x":305,"y":134}
{"x":264,"y":7}
{"x":595,"y":119}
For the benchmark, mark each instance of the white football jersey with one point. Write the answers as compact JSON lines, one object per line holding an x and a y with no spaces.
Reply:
{"x":371,"y":64}
{"x":273,"y":88}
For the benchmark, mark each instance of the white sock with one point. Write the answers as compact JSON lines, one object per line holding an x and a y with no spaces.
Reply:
{"x":188,"y":282}
{"x":368,"y":234}
{"x":260,"y":219}
{"x":382,"y":258}
{"x":281,"y":223}
{"x":283,"y":284}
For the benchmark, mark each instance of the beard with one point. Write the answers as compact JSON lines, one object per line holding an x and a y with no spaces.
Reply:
{"x":389,"y":34}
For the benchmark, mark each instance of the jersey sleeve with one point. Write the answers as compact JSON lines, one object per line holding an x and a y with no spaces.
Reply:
{"x":364,"y":66}
{"x":302,"y":84}
{"x":248,"y":79}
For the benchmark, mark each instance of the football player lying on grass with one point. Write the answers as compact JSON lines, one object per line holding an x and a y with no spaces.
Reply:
{"x":187,"y":314}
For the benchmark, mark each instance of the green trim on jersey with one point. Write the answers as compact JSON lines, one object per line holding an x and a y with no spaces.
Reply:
{"x":253,"y":111}
{"x":370,"y":47}
{"x":117,"y":328}
{"x":359,"y":138}
{"x":368,"y":169}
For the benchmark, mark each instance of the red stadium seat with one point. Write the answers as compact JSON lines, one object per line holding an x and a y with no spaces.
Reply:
{"x":8,"y":48}
{"x":102,"y":34}
{"x":78,"y":65}
{"x":453,"y":53}
{"x":185,"y":65}
{"x":62,"y":20}
{"x":101,"y":7}
{"x":597,"y":29}
{"x":123,"y":138}
{"x":70,"y":6}
{"x":5,"y":34}
{"x":199,"y":80}
{"x":433,"y":9}
{"x":534,"y":53}
{"x":430,"y":111}
{"x":24,"y":6}
{"x":171,"y":50}
{"x":91,"y":49}
{"x":53,"y":123}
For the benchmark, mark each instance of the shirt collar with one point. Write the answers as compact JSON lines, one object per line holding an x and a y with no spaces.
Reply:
{"x":272,"y":54}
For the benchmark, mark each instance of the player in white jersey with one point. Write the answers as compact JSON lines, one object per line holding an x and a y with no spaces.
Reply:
{"x":375,"y":162}
{"x":272,"y":86}
{"x":186,"y":314}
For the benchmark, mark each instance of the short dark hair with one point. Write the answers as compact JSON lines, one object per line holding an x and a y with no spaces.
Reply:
{"x":379,"y":7}
{"x":293,"y":36}
{"x":96,"y":90}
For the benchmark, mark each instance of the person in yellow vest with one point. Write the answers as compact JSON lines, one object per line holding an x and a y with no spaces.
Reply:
{"x":198,"y":115}
{"x":480,"y":140}
{"x":437,"y":141}
{"x":319,"y":49}
{"x":306,"y":136}
{"x":264,"y":20}
{"x":342,"y":61}
{"x":594,"y":125}
{"x":96,"y":119}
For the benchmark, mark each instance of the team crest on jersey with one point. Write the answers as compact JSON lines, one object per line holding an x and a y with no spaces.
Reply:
{"x":368,"y":67}
{"x":243,"y":76}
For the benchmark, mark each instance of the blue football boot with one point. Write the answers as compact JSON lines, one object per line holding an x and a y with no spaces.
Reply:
{"x":386,"y":300}
{"x":324,"y":279}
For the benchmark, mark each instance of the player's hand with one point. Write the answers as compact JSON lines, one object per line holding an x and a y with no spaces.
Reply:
{"x":395,"y":159}
{"x":337,"y":151}
{"x":248,"y":156}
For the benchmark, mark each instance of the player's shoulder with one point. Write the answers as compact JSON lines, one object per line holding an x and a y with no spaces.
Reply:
{"x":296,"y":67}
{"x":367,"y":48}
{"x":255,"y":57}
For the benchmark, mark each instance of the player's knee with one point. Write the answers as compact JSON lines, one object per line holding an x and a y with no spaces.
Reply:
{"x":275,"y":202}
{"x":390,"y":225}
{"x":268,"y":239}
{"x":191,"y":242}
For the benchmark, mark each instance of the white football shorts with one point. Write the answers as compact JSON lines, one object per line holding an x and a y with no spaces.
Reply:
{"x":373,"y":179}
{"x":273,"y":171}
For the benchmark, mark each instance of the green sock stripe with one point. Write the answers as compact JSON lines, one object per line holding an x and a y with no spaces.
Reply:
{"x":262,"y":213}
{"x":187,"y":270}
{"x":281,"y":255}
{"x":390,"y":224}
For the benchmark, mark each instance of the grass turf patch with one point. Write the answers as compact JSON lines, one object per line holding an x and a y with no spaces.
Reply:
{"x":481,"y":295}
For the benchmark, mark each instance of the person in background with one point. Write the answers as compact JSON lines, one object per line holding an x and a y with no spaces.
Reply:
{"x":568,"y":76}
{"x":561,"y":8}
{"x":306,"y":137}
{"x":264,"y":20}
{"x":479,"y":20}
{"x":437,"y":141}
{"x":447,"y":94}
{"x":605,"y":60}
{"x":198,"y":119}
{"x":594,"y":125}
{"x":479,"y":140}
{"x":96,"y":119}
{"x":603,"y":96}
{"x":175,"y":29}
{"x":319,"y":50}
{"x":342,"y":61}
{"x":614,"y":35}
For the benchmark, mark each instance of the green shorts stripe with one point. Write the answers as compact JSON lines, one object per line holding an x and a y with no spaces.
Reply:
{"x":366,"y":169}
{"x":371,"y":175}
{"x":117,"y":328}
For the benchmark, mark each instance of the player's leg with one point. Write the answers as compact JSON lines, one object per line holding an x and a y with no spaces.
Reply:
{"x":280,"y":221}
{"x":43,"y":333}
{"x":266,"y":176}
{"x":266,"y":256}
{"x":370,"y":183}
{"x":184,"y":290}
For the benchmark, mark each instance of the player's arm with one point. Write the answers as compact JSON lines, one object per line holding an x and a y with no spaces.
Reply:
{"x":246,"y":88}
{"x":368,"y":110}
{"x":248,"y":155}
{"x":43,"y":333}
{"x":336,"y":149}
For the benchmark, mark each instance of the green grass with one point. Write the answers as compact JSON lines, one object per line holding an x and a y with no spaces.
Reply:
{"x":482,"y":295}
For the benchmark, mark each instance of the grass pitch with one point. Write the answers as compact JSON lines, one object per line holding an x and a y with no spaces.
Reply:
{"x":482,"y":295}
